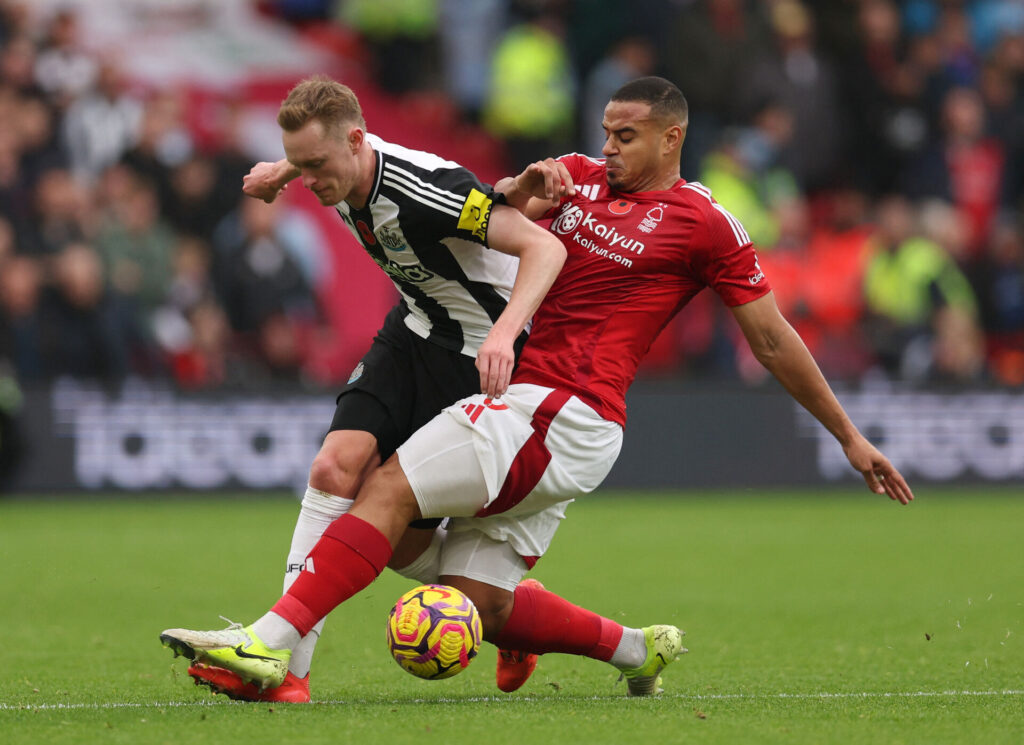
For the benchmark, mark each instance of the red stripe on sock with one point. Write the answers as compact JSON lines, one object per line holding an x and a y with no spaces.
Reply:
{"x":532,"y":459}
{"x":346,"y":559}
{"x":543,"y":622}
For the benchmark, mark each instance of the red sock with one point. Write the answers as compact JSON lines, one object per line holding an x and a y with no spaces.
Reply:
{"x":543,"y":622}
{"x":346,"y":559}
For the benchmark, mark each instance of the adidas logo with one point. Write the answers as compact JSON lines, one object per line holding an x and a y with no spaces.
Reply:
{"x":589,"y":190}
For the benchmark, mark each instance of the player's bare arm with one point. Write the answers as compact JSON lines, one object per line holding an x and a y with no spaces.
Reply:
{"x":541,"y":186}
{"x":781,"y":350}
{"x":541,"y":256}
{"x":267,"y":180}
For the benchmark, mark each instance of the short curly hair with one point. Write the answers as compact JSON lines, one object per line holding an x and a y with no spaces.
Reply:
{"x":334,"y":105}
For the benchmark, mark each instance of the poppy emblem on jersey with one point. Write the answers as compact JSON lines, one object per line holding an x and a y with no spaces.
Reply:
{"x":473,"y":411}
{"x":356,"y":374}
{"x":364,"y":230}
{"x":620,"y":206}
{"x":568,"y":221}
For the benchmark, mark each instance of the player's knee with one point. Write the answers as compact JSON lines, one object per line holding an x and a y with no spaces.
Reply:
{"x":336,"y":474}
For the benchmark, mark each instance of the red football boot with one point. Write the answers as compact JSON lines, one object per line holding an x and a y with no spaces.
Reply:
{"x":514,"y":667}
{"x":294,"y":690}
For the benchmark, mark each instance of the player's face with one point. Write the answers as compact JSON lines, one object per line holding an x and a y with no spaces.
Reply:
{"x":633,"y":147}
{"x":328,"y":162}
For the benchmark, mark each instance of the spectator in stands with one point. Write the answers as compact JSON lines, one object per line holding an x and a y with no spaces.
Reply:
{"x":797,"y":77}
{"x":709,"y":52}
{"x":964,"y":166}
{"x":14,"y":19}
{"x":254,"y":269}
{"x":817,"y":273}
{"x":62,"y":212}
{"x":18,"y":66}
{"x":64,"y":70}
{"x":956,"y":353}
{"x":206,"y":358}
{"x":532,"y":92}
{"x":402,"y":36}
{"x":102,"y":124}
{"x":630,"y":58}
{"x":744,"y":174}
{"x":163,"y":143}
{"x":136,"y":246}
{"x":20,"y":332}
{"x":87,"y":332}
{"x":883,"y":90}
{"x":469,"y":30}
{"x":907,"y":280}
{"x":1001,"y":295}
{"x":16,"y":195}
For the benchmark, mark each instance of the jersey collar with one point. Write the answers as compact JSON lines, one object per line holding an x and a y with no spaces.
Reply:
{"x":378,"y":168}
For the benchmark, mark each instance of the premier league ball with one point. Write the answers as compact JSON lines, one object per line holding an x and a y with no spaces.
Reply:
{"x":434,"y":631}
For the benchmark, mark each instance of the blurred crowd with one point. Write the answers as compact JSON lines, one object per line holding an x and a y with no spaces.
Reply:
{"x":873,"y":149}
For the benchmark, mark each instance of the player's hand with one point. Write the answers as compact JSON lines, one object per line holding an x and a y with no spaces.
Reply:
{"x":495,"y":361}
{"x":546,"y":179}
{"x":263,"y":182}
{"x":879,"y":474}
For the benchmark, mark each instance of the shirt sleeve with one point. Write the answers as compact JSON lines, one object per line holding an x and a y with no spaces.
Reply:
{"x":731,"y":267}
{"x":454,"y":204}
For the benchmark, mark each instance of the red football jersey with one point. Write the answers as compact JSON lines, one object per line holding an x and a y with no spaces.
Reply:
{"x":634,"y":259}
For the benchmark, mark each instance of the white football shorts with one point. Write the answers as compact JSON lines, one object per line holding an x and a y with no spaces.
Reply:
{"x":509,"y":468}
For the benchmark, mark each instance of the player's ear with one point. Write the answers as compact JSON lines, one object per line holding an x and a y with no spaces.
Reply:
{"x":355,"y":138}
{"x":672,"y":138}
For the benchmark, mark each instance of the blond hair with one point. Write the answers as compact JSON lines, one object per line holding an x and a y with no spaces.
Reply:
{"x":328,"y":101}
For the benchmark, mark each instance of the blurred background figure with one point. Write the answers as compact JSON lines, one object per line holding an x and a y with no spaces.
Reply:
{"x":908,"y":280}
{"x":531,"y":100}
{"x":102,"y":123}
{"x":631,"y":57}
{"x":805,"y":119}
{"x":469,"y":30}
{"x":402,"y":37}
{"x":793,"y":73}
{"x":87,"y":330}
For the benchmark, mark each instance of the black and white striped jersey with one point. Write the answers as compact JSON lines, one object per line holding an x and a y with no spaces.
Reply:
{"x":425,"y":224}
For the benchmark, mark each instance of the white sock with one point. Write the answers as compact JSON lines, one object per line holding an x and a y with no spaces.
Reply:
{"x":275,"y":632}
{"x":632,"y":649}
{"x":319,"y":510}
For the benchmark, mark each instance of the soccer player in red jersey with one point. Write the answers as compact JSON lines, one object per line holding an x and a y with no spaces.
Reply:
{"x":641,"y":242}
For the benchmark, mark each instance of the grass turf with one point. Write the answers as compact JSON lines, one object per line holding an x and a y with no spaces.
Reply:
{"x":832,"y":617}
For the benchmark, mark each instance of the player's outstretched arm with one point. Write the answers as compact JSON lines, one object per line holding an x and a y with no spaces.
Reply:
{"x":541,"y":186}
{"x":779,"y":348}
{"x":267,"y":180}
{"x":541,"y":256}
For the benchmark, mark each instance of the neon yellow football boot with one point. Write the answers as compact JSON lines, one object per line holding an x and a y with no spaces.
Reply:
{"x":235,"y":648}
{"x":664,"y":646}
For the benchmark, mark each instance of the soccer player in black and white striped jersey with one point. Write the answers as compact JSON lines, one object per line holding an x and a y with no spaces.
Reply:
{"x":470,"y":272}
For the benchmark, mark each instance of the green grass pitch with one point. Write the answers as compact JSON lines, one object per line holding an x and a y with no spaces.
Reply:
{"x":828,"y":616}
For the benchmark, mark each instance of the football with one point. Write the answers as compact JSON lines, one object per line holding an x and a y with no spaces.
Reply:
{"x":434,"y":631}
